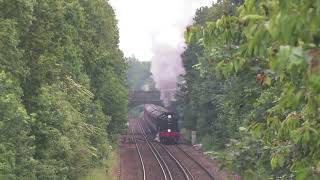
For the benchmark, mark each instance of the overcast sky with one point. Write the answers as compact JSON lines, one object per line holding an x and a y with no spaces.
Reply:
{"x":153,"y":30}
{"x":145,"y":24}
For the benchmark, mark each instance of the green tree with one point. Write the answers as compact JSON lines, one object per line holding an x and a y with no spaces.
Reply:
{"x":208,"y":98}
{"x":137,"y":73}
{"x":16,"y":143}
{"x":276,"y":44}
{"x":63,"y":87}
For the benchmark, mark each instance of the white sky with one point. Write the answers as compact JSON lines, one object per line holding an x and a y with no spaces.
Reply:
{"x":144,"y":24}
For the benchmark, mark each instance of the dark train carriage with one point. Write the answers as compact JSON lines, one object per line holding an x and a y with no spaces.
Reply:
{"x":163,"y":123}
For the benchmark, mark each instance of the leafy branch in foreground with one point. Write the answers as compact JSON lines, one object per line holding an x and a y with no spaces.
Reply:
{"x":265,"y":62}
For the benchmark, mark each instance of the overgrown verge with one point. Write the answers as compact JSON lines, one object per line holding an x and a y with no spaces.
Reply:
{"x":107,"y":170}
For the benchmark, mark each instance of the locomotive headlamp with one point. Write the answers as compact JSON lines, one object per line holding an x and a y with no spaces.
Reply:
{"x":169,"y":116}
{"x":169,"y":130}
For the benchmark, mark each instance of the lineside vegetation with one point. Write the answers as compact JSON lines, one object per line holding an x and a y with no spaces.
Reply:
{"x":253,"y":86}
{"x":63,"y":95}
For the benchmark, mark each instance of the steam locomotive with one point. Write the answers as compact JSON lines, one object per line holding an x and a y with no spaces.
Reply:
{"x":163,"y":124}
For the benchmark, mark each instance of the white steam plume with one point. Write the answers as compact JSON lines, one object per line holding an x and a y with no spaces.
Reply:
{"x":167,"y":46}
{"x":153,"y":30}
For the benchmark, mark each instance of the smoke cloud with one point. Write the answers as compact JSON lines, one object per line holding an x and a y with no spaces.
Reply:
{"x":167,"y":47}
{"x":166,"y":67}
{"x":154,"y":30}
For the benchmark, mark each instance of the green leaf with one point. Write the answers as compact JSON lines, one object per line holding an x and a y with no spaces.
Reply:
{"x":274,"y":162}
{"x":242,"y":129}
{"x":253,"y":18}
{"x":267,"y":81}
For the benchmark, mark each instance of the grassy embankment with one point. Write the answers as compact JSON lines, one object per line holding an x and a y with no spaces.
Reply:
{"x":109,"y":171}
{"x":111,"y":164}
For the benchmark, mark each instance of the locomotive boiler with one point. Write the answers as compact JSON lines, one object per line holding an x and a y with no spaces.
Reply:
{"x":163,"y":124}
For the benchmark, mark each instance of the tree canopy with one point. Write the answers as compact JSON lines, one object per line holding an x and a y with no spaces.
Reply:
{"x":252,"y":86}
{"x":138,"y":73}
{"x":63,"y":95}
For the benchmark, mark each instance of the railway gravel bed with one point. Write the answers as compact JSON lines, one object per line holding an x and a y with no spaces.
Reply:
{"x":176,"y":172}
{"x":153,"y":169}
{"x":142,"y":163}
{"x":180,"y":171}
{"x":186,"y":168}
{"x":196,"y":171}
{"x":211,"y":165}
{"x":129,"y":159}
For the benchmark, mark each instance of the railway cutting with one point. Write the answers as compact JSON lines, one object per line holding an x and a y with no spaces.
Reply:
{"x":152,"y":150}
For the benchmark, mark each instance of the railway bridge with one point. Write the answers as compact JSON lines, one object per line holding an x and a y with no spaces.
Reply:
{"x":139,"y":97}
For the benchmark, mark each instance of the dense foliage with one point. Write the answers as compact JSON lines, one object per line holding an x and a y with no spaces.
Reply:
{"x":138,"y":73}
{"x":63,"y":95}
{"x":206,"y":95}
{"x":252,"y":86}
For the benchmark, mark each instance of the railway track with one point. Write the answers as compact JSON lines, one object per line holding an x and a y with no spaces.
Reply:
{"x":182,"y":159}
{"x":139,"y":153}
{"x":197,"y":170}
{"x":166,"y":174}
{"x":167,"y":157}
{"x":195,"y":161}
{"x":180,"y":172}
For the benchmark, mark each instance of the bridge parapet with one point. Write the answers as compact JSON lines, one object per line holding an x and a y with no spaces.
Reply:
{"x":139,"y":97}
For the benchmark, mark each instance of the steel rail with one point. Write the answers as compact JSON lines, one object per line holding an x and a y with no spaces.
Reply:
{"x":184,"y":170}
{"x":139,"y":153}
{"x":156,"y":155}
{"x":190,"y":157}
